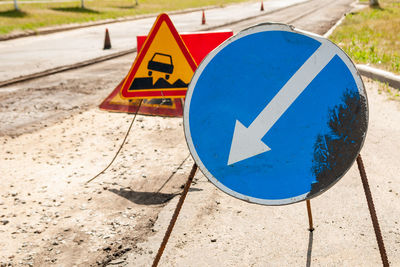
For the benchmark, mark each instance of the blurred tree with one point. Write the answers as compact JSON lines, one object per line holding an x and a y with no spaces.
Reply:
{"x":374,"y":3}
{"x":82,"y":3}
{"x":16,"y":5}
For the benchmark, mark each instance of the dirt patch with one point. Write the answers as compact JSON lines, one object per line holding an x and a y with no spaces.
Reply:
{"x":49,"y":216}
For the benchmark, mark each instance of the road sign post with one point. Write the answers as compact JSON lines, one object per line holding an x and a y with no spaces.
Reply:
{"x":295,"y":91}
{"x":275,"y":115}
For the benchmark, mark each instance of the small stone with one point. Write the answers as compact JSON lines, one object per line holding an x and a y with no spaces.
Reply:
{"x":213,"y":240}
{"x":116,"y":262}
{"x":4,"y":222}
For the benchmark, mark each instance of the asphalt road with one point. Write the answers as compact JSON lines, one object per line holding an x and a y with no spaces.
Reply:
{"x":64,"y":48}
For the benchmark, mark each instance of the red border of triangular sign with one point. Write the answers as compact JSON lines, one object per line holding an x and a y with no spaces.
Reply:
{"x":129,"y":94}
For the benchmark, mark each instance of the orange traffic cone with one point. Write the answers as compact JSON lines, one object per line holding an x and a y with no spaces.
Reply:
{"x":203,"y":19}
{"x":107,"y":41}
{"x":262,"y":6}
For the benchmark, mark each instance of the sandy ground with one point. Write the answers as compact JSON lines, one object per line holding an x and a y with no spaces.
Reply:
{"x":54,"y":138}
{"x":49,"y":216}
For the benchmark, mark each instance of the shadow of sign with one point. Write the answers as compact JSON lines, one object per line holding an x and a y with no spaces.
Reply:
{"x":143,"y":198}
{"x":147,"y":198}
{"x":309,"y":249}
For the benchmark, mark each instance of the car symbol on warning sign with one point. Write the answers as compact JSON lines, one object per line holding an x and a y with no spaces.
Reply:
{"x":161,"y":63}
{"x":156,"y":63}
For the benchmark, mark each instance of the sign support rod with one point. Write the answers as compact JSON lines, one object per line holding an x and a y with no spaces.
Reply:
{"x":310,"y":219}
{"x":372,"y":211}
{"x":175,"y":216}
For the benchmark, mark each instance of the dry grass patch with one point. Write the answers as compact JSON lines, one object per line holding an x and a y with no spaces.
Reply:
{"x":35,"y":15}
{"x":372,"y":36}
{"x":392,"y":93}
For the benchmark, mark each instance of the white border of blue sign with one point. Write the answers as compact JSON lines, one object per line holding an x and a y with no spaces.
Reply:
{"x":252,"y":30}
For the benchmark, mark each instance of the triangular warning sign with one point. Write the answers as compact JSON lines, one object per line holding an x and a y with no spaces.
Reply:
{"x":199,"y":45}
{"x":163,"y":67}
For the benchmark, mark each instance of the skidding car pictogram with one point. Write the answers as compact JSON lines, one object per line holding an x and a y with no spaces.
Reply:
{"x":161,"y":63}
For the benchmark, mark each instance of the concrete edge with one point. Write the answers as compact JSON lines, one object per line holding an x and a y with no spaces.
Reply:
{"x":356,"y":5}
{"x":68,"y":27}
{"x":333,"y":28}
{"x":376,"y":74}
{"x":65,"y":67}
{"x":380,"y":75}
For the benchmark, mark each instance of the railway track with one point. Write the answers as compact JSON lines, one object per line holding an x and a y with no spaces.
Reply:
{"x":288,"y":15}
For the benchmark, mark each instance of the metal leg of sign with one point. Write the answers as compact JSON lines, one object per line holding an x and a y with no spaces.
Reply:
{"x":310,"y":220}
{"x":175,"y":215}
{"x":372,"y":211}
{"x":311,"y":229}
{"x":182,"y":102}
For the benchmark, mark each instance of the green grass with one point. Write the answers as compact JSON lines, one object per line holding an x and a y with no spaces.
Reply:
{"x":393,"y":94}
{"x":372,"y":36}
{"x":34,"y":16}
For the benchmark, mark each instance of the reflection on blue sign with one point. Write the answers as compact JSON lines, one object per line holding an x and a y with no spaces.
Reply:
{"x":274,"y":115}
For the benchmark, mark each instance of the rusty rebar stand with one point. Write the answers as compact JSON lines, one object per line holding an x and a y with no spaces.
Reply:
{"x":310,"y":219}
{"x":372,"y":211}
{"x":175,"y":216}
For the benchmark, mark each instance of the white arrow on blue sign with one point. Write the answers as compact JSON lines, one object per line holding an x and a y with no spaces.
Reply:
{"x":275,"y":115}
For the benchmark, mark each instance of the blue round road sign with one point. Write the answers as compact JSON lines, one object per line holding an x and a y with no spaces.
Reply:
{"x":275,"y":115}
